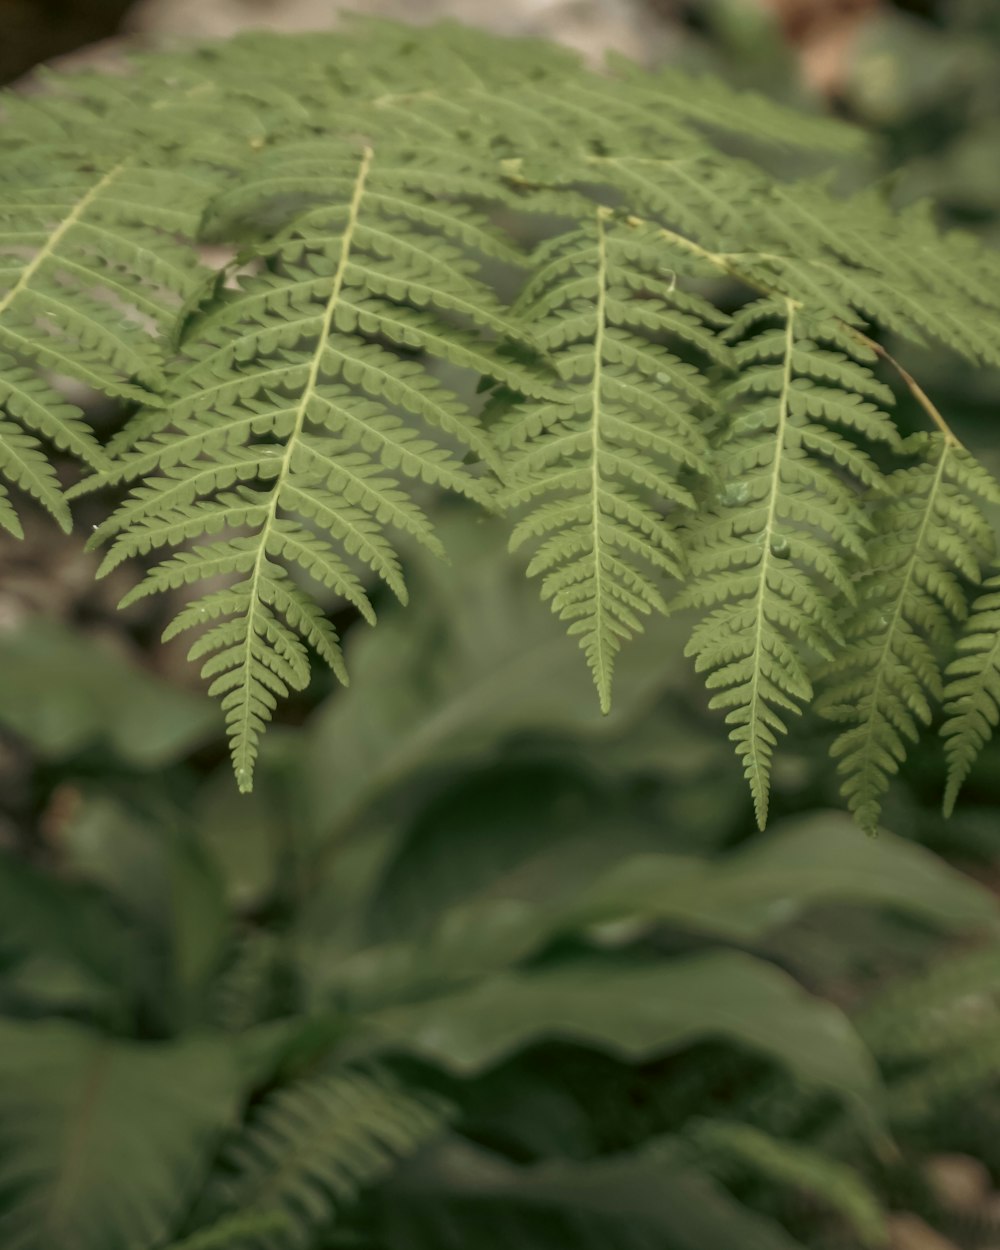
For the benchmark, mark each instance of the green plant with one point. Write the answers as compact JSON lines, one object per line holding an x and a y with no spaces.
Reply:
{"x":381,"y":1054}
{"x":486,"y":967}
{"x":683,"y":388}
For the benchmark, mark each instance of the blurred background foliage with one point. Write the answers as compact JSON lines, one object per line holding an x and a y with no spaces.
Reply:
{"x":475,"y":966}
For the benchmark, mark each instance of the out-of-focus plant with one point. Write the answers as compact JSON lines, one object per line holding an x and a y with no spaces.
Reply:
{"x":471,"y":976}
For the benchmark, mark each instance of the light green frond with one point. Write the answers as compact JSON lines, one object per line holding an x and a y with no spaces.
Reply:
{"x":734,"y":1150}
{"x":596,"y":470}
{"x":295,"y":425}
{"x":972,"y":693}
{"x":930,"y":539}
{"x":711,"y":103}
{"x":769,"y":559}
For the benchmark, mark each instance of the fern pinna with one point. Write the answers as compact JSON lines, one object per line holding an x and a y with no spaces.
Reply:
{"x":596,"y":465}
{"x":771,"y":560}
{"x":683,"y":388}
{"x":286,"y":417}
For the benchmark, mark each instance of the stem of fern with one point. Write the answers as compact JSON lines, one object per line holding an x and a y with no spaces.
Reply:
{"x":912,"y":385}
{"x":725,"y":264}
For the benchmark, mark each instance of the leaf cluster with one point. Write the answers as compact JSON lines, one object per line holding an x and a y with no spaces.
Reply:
{"x":687,"y":399}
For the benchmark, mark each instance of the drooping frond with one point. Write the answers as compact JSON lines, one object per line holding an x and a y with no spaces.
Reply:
{"x":931,"y":538}
{"x":293,"y":423}
{"x":596,"y":468}
{"x":234,"y":1231}
{"x":769,"y":558}
{"x":972,"y":694}
{"x":90,"y":278}
{"x":311,"y":1147}
{"x":295,"y":392}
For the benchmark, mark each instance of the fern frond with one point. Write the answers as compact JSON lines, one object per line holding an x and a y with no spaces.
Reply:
{"x":309,"y":1149}
{"x":972,"y":693}
{"x":939,"y":1032}
{"x":90,"y":278}
{"x":294,"y":396}
{"x":289,"y":430}
{"x":714,"y":105}
{"x":595,"y":469}
{"x":735,"y":1150}
{"x":931,"y":537}
{"x":242,"y":992}
{"x":950,"y":1083}
{"x":770,"y":559}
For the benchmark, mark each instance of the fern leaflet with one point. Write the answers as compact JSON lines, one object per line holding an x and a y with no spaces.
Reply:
{"x":596,"y":467}
{"x":972,"y":695}
{"x":769,"y":560}
{"x":285,"y":429}
{"x":884,"y":682}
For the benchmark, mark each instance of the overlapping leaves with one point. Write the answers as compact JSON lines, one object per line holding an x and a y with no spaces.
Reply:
{"x":299,"y":400}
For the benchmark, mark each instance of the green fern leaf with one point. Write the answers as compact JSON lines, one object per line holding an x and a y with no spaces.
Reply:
{"x":310,"y":1148}
{"x":90,"y":276}
{"x":595,"y":467}
{"x":930,"y":535}
{"x":972,"y":695}
{"x":713,"y":104}
{"x":939,"y":1032}
{"x":293,"y":398}
{"x":770,"y":559}
{"x":936,"y":1012}
{"x":103,"y":1142}
{"x":861,"y":260}
{"x":235,"y":1230}
{"x":290,"y":427}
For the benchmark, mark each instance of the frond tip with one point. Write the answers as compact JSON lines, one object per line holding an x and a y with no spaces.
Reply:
{"x":972,"y":693}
